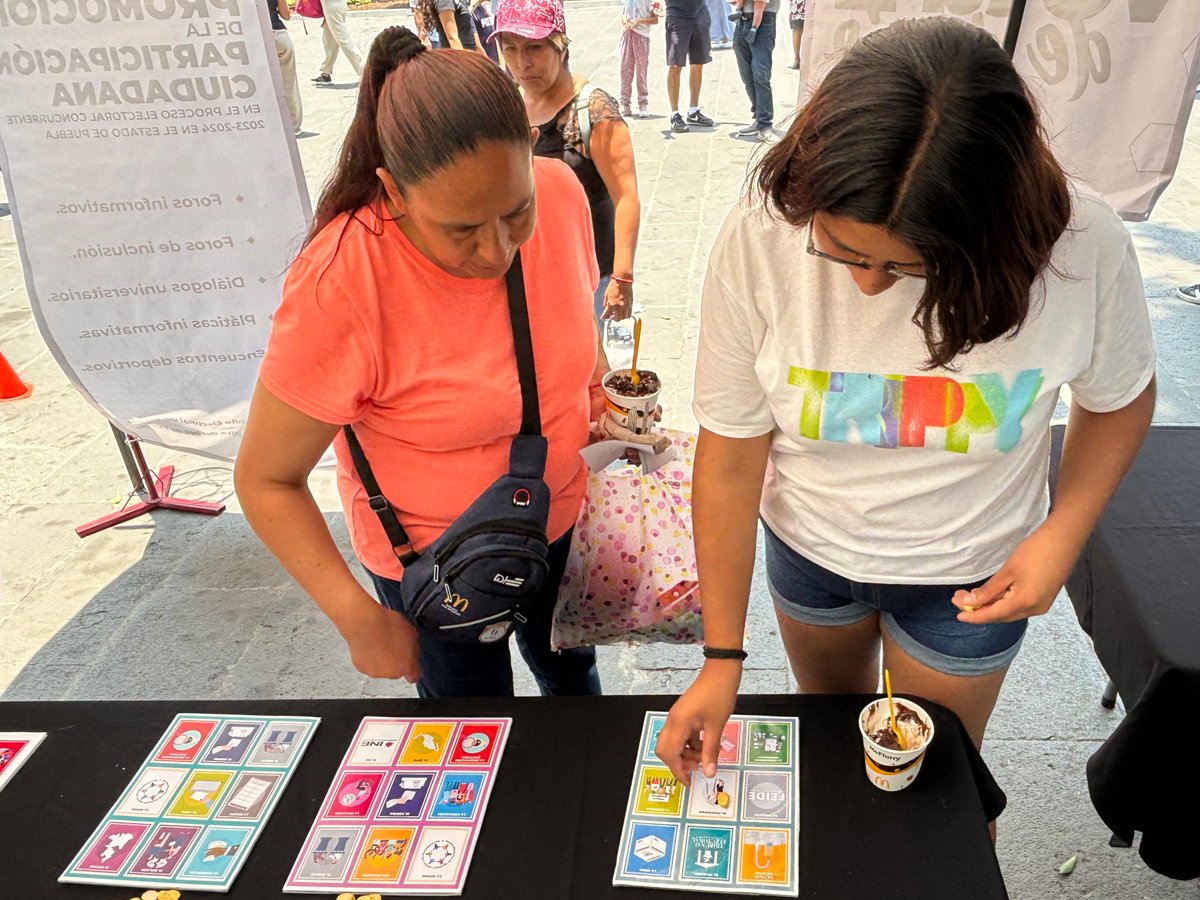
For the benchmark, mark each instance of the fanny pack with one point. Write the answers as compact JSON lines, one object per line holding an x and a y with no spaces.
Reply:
{"x":474,"y":583}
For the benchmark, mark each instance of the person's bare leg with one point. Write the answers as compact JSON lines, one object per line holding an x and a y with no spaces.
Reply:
{"x":695,"y":76}
{"x":797,"y":34}
{"x":970,"y":697}
{"x":833,"y":659}
{"x":673,"y":86}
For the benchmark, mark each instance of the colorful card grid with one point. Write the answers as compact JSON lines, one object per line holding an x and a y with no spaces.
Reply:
{"x":734,"y":833}
{"x":196,"y":806}
{"x":404,"y":810}
{"x":15,"y":748}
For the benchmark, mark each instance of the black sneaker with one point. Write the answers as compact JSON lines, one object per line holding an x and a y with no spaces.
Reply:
{"x":699,"y":118}
{"x":323,"y":79}
{"x":677,"y":123}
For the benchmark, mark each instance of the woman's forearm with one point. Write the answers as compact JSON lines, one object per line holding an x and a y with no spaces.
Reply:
{"x":1098,"y":450}
{"x":726,"y":490}
{"x":288,"y":521}
{"x":627,"y":223}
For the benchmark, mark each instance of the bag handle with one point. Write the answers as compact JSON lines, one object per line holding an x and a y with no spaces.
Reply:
{"x":531,"y":417}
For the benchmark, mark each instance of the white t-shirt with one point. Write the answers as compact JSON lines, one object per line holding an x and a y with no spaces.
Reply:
{"x":642,"y":9}
{"x":880,"y":471}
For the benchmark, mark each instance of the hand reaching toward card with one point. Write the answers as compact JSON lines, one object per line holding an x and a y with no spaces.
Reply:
{"x":691,"y":737}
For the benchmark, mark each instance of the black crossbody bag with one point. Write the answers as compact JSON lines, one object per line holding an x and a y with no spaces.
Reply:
{"x":479,"y":577}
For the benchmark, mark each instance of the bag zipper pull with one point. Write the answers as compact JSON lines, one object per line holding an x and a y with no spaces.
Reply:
{"x":449,"y":596}
{"x":437,"y":573}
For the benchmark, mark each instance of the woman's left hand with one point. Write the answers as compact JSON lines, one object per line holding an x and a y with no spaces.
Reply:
{"x":1026,"y":584}
{"x":618,"y":300}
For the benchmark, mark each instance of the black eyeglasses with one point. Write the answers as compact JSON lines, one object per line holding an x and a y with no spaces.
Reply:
{"x":893,"y":269}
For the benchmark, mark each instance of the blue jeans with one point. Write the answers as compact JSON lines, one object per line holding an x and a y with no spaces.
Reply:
{"x":754,"y":65}
{"x":919,"y":618}
{"x":721,"y":28}
{"x":485,"y":670}
{"x":598,"y":297}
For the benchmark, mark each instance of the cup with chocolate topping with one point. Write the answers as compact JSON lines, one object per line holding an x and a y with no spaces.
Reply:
{"x":633,"y":405}
{"x":889,"y":766}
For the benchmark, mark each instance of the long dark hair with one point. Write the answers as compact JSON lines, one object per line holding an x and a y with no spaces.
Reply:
{"x":417,"y":111}
{"x":926,"y":129}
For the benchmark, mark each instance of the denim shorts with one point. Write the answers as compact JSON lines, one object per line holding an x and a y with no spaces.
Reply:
{"x":919,"y":617}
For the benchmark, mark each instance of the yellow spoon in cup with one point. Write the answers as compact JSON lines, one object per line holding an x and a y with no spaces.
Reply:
{"x":637,"y":342}
{"x":887,"y":681}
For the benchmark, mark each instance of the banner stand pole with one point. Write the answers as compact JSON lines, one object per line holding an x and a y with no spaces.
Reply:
{"x":155,"y":489}
{"x":130,"y":463}
{"x":1013,"y":32}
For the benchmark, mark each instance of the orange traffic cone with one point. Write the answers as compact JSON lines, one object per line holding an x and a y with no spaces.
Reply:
{"x":11,"y":386}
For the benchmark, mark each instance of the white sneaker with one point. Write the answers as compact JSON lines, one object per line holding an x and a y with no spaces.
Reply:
{"x":747,"y":131}
{"x":643,"y":113}
{"x":767,"y":136}
{"x":1190,"y":293}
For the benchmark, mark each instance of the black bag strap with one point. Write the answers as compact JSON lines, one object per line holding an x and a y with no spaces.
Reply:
{"x":401,"y":545}
{"x":518,"y":312}
{"x":531,"y":416}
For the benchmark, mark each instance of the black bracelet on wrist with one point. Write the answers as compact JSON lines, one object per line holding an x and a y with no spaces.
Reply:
{"x":724,"y":653}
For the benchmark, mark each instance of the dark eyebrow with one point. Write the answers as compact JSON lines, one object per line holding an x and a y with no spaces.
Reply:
{"x":528,"y":202}
{"x":853,"y":252}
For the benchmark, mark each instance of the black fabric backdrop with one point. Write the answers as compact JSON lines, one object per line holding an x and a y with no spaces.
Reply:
{"x":554,"y":821}
{"x":1136,"y":592}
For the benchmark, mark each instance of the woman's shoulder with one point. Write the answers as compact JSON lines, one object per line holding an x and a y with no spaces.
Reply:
{"x":342,"y":250}
{"x":553,"y":177}
{"x":1093,"y":214}
{"x":752,"y":229}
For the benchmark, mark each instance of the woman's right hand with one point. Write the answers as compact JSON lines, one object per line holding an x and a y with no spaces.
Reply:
{"x":691,"y":737}
{"x":382,"y":643}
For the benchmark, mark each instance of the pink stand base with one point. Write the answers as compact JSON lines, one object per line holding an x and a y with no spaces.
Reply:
{"x":159,"y":490}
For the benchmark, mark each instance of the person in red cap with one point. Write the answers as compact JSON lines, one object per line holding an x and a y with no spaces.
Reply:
{"x":581,"y":125}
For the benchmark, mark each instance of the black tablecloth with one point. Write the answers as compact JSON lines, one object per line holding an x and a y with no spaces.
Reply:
{"x":1136,"y":592}
{"x":554,"y":821}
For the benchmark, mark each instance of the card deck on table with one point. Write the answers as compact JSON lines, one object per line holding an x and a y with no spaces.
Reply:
{"x":735,"y":832}
{"x":195,"y":807}
{"x":404,"y":810}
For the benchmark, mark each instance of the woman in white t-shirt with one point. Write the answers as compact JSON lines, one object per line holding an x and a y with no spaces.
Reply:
{"x":886,"y":325}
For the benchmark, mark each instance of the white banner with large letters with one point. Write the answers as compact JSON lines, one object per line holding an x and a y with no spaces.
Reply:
{"x":1115,"y":78}
{"x":158,"y":199}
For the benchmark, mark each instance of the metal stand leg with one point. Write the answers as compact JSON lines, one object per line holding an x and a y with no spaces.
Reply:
{"x":156,"y":489}
{"x":1109,"y":699}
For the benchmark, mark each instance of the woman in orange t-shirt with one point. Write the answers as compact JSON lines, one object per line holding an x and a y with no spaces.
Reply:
{"x":395,"y":319}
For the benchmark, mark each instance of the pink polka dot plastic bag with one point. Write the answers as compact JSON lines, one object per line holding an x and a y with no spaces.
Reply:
{"x":631,"y":575}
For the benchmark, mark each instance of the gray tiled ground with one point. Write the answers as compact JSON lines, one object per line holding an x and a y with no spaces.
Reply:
{"x":97,"y":618}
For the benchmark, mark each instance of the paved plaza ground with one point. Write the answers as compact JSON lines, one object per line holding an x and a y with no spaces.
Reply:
{"x":191,"y":607}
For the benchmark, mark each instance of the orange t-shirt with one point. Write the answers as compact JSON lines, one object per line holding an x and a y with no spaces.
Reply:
{"x":373,"y":334}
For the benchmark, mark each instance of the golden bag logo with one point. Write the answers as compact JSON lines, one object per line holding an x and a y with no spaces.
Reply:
{"x":456,"y":603}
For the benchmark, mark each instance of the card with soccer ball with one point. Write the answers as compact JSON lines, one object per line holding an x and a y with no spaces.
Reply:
{"x":735,"y":832}
{"x":404,"y":809}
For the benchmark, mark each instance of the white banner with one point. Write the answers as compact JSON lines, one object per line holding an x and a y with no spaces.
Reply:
{"x":158,"y":199}
{"x":1115,"y":78}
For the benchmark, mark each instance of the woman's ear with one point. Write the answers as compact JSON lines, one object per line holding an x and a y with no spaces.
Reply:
{"x":394,"y":198}
{"x":534,"y":134}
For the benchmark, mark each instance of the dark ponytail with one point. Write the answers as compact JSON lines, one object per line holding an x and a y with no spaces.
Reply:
{"x":417,"y":111}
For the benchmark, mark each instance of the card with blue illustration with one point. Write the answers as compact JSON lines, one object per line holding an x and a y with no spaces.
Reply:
{"x":733,"y":832}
